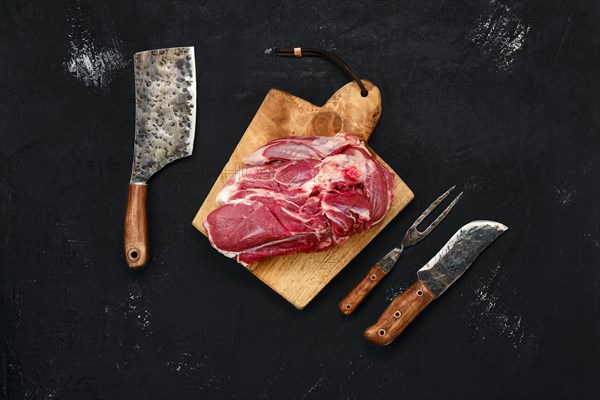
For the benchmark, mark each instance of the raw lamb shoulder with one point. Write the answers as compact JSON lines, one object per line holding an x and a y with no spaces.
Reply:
{"x":300,"y":193}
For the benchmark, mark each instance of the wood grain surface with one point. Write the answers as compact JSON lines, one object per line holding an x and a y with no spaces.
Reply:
{"x":300,"y":277}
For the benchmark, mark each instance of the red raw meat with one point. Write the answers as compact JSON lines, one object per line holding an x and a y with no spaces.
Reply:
{"x":305,"y":193}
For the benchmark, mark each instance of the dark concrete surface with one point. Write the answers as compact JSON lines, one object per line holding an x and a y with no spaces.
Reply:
{"x":500,"y":98}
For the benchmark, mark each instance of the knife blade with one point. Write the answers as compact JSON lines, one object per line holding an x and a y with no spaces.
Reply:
{"x":434,"y":278}
{"x":165,"y":123}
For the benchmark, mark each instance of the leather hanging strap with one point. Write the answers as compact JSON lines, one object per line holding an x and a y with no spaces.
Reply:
{"x":313,"y":52}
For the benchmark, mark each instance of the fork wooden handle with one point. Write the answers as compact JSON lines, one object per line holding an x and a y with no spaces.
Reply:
{"x":364,"y":287}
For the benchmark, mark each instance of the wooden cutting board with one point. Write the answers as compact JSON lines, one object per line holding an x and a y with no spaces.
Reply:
{"x":300,"y":277}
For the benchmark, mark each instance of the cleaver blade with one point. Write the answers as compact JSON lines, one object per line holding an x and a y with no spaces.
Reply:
{"x":165,"y":123}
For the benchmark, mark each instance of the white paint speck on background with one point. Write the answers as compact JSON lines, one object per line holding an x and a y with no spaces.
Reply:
{"x":197,"y":368}
{"x":135,"y":307}
{"x":91,"y":63}
{"x":393,"y":292}
{"x":492,"y":319}
{"x":92,"y":66}
{"x":500,"y":34}
{"x":314,"y":386}
{"x":564,"y":195}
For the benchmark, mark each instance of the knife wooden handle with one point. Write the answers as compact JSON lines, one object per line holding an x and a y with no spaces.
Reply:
{"x":364,"y":287}
{"x":399,"y":314}
{"x":136,"y":227}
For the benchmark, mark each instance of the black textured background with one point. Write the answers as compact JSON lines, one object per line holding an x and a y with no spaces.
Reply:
{"x":513,"y":123}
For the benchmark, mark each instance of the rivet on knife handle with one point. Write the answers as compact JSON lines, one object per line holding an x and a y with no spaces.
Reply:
{"x":399,"y":314}
{"x":364,"y":287}
{"x":136,"y":227}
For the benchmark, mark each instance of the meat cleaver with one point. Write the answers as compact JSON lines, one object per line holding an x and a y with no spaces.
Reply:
{"x":165,"y":122}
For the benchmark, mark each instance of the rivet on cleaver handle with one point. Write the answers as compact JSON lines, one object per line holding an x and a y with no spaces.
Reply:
{"x":434,"y":278}
{"x":165,"y":124}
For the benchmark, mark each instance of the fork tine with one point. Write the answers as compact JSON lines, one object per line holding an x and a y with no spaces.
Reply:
{"x":441,"y":216}
{"x":432,"y":207}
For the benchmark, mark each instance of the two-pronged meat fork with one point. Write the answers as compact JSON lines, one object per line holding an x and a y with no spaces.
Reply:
{"x":383,"y":266}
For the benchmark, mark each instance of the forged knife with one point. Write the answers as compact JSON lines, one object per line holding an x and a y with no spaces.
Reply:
{"x":165,"y":123}
{"x":434,"y":278}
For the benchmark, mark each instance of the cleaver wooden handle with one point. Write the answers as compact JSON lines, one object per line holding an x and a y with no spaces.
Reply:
{"x":136,"y":227}
{"x":360,"y":291}
{"x":399,"y":314}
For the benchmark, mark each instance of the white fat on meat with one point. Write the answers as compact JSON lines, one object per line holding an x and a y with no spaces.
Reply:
{"x":299,"y":194}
